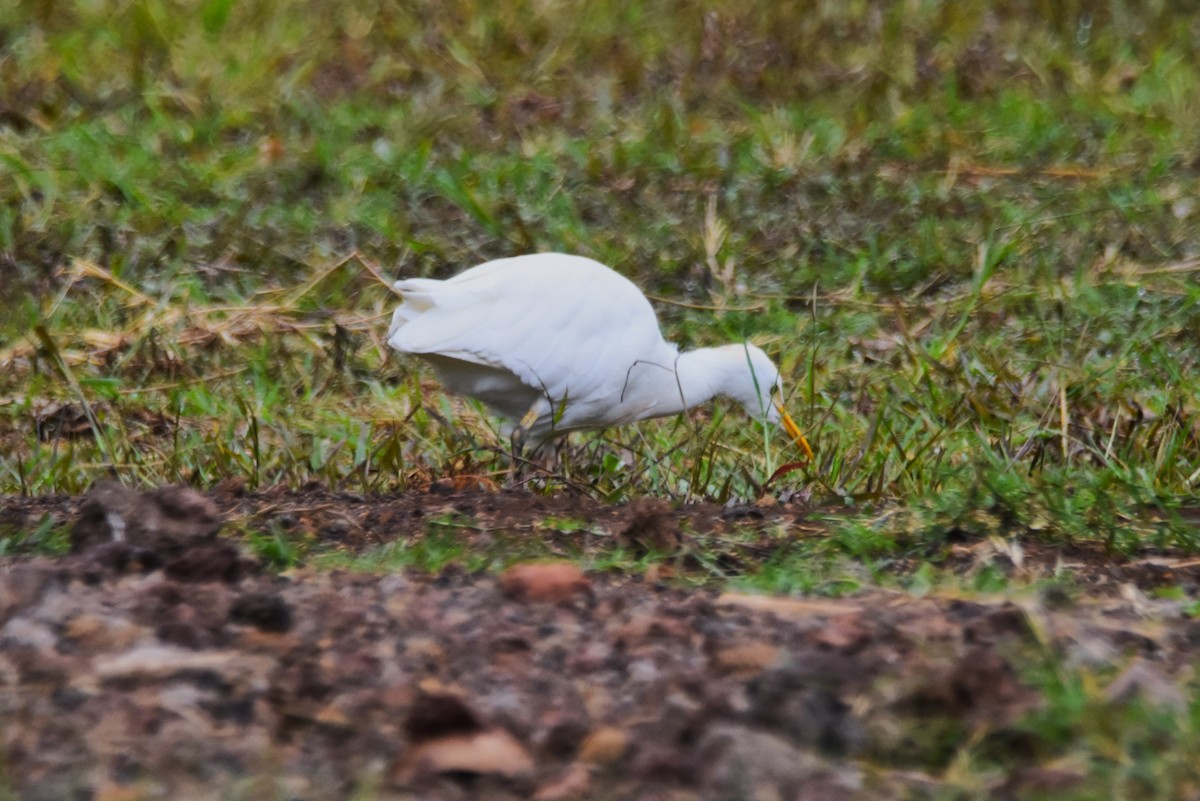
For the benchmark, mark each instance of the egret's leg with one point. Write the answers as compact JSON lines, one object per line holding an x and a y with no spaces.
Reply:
{"x":517,"y":440}
{"x":520,"y":435}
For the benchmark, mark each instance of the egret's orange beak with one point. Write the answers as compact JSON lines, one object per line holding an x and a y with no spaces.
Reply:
{"x":789,"y":425}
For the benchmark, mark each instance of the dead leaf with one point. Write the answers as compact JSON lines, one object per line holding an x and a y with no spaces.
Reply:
{"x":604,"y":747}
{"x":165,"y":661}
{"x":111,"y":633}
{"x":745,"y":658}
{"x":787,"y":608}
{"x":843,"y":633}
{"x":544,"y":583}
{"x":111,"y":791}
{"x":494,"y":752}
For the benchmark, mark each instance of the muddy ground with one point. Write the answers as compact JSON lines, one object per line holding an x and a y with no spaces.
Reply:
{"x":159,"y":659}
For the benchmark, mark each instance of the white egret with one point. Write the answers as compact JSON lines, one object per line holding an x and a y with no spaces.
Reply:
{"x":562,"y":343}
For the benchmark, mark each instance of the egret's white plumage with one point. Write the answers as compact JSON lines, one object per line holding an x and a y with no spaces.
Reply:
{"x":563,"y":343}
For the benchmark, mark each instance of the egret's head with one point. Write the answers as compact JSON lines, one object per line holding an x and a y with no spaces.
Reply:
{"x":762,"y":393}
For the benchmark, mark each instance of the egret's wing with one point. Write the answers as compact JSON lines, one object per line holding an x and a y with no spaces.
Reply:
{"x":563,"y":325}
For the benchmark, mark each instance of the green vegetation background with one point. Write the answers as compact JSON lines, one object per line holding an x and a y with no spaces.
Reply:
{"x":968,"y":229}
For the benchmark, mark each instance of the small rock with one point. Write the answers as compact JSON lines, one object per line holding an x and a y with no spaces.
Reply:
{"x":20,"y":631}
{"x":737,"y":762}
{"x":544,"y":583}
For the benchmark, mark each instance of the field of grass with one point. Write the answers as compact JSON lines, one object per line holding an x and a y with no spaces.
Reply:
{"x":969,"y":231}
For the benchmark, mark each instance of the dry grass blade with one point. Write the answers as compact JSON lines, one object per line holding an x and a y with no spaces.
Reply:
{"x":51,"y":349}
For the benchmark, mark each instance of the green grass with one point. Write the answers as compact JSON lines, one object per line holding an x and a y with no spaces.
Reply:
{"x":46,"y":537}
{"x":968,"y":233}
{"x":430,"y":554}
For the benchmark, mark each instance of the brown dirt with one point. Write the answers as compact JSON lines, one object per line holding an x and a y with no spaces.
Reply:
{"x":166,"y":663}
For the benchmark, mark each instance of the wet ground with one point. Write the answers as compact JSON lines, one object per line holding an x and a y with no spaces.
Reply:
{"x":159,"y":660}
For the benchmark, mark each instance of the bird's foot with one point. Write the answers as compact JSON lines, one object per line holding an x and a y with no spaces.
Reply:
{"x":520,"y":435}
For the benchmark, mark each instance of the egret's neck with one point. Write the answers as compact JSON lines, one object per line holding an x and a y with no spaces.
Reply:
{"x":675,"y":382}
{"x":695,"y":378}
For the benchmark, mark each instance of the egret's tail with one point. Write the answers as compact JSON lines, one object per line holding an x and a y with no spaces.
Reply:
{"x":432,"y":315}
